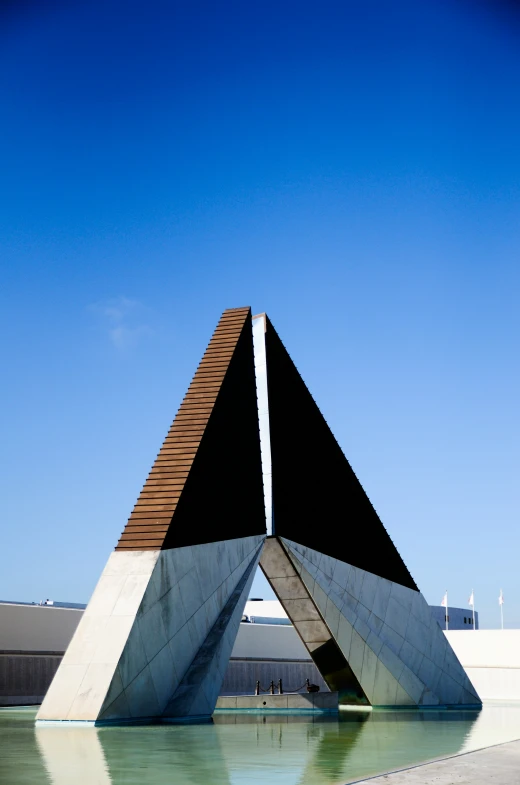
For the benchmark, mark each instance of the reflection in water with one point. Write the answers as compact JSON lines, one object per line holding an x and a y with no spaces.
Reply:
{"x":147,"y":755}
{"x":497,"y":723}
{"x":245,"y":749}
{"x":355,"y":745}
{"x":296,"y":751}
{"x":73,"y":755}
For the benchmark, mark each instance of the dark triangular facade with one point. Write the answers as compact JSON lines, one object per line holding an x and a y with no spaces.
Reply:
{"x":317,"y":499}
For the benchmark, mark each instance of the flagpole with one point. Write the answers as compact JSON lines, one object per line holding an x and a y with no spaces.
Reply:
{"x":446,"y":609}
{"x":501,"y":608}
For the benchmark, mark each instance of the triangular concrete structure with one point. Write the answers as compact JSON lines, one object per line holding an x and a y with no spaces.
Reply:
{"x":250,"y":473}
{"x":331,"y":561}
{"x":166,"y":609}
{"x":386,"y":631}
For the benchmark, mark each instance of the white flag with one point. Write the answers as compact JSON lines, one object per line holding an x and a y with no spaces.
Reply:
{"x":444,"y":601}
{"x":471,"y":600}
{"x":501,"y":598}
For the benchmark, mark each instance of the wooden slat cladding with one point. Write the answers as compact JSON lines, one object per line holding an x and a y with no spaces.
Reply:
{"x":151,"y":517}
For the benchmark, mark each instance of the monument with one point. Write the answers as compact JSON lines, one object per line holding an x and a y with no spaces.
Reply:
{"x":250,"y":473}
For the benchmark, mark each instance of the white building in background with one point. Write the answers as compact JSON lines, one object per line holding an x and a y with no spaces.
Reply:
{"x":457,"y":618}
{"x":258,"y":611}
{"x":271,"y":612}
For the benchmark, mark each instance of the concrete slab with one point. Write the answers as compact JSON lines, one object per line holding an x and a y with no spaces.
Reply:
{"x":227,"y":702}
{"x":499,"y":765}
{"x":304,"y":701}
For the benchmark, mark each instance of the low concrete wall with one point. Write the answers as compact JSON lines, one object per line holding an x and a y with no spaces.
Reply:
{"x":491,"y":658}
{"x":33,"y":639}
{"x":314,"y":701}
{"x":241,"y":675}
{"x":265,"y":653}
{"x":25,"y":678}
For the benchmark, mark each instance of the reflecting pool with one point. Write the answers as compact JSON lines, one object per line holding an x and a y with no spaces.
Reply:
{"x":245,"y":749}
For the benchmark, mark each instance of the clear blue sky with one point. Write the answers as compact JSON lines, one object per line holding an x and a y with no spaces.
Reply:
{"x":351,"y":168}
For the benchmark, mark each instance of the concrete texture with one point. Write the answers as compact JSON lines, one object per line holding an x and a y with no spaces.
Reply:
{"x":149,"y":616}
{"x":386,"y":632}
{"x":198,"y":690}
{"x":241,"y":675}
{"x":174,"y":634}
{"x":314,"y":701}
{"x":89,"y":668}
{"x":498,"y":765}
{"x":294,"y":595}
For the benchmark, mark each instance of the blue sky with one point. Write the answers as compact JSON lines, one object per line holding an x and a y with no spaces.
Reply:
{"x":350,"y":168}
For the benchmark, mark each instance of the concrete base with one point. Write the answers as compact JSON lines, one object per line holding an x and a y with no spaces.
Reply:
{"x":322,"y":702}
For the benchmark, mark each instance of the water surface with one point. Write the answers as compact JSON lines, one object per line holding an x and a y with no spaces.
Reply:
{"x":245,"y":749}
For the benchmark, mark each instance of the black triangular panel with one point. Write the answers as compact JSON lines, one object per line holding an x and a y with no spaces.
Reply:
{"x":317,"y":499}
{"x":223,"y":495}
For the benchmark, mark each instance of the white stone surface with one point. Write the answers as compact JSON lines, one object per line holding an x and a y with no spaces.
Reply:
{"x":150,"y":613}
{"x":83,"y":645}
{"x":131,"y":563}
{"x":92,"y":691}
{"x":263,"y":416}
{"x":62,"y":691}
{"x":374,"y":620}
{"x":83,"y":679}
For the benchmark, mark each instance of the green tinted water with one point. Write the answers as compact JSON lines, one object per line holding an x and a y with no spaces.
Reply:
{"x":244,"y":749}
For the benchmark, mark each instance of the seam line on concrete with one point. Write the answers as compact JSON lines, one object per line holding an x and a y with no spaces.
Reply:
{"x":494,"y":667}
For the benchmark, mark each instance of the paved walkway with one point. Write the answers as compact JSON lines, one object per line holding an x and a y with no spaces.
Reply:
{"x":498,"y":765}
